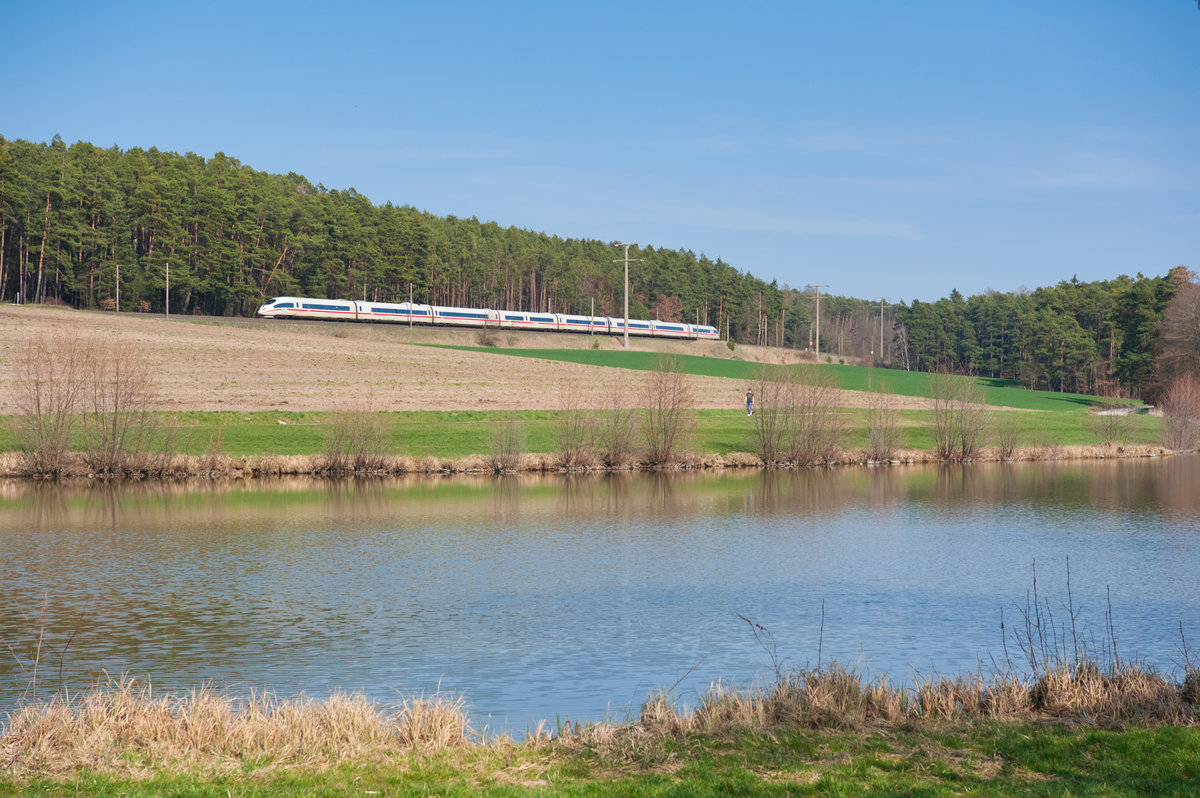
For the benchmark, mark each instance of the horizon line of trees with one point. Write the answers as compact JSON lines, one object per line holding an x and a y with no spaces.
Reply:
{"x":134,"y":230}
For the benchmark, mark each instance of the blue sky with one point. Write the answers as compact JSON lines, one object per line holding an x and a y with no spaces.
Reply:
{"x":884,"y":148}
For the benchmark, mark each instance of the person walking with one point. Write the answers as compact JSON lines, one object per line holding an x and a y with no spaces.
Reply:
{"x":749,"y":401}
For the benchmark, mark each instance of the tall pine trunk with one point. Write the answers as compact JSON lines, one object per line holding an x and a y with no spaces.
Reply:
{"x":37,"y":293}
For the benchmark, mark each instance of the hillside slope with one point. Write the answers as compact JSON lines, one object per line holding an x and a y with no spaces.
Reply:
{"x":203,"y":363}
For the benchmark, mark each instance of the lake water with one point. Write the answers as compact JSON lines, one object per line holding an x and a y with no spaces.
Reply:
{"x":575,"y":597}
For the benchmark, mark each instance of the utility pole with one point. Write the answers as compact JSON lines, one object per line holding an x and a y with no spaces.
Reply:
{"x":818,"y":288}
{"x":626,"y":261}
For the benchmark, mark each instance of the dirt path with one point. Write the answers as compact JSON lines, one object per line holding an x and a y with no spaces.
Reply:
{"x":201,"y":363}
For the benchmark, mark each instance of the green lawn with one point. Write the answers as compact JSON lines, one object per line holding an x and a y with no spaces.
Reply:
{"x":980,"y":759}
{"x":456,"y":434}
{"x":1002,"y":393}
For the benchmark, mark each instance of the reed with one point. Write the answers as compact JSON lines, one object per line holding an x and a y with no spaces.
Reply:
{"x":124,"y":725}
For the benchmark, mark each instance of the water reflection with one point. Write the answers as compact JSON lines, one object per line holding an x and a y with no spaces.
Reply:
{"x":544,"y":595}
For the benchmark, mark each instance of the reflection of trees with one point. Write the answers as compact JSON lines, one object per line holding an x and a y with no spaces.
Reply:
{"x":506,"y":496}
{"x":825,"y":491}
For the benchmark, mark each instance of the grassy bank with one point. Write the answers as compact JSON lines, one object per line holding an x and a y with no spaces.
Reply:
{"x":1072,"y":731}
{"x":459,"y":434}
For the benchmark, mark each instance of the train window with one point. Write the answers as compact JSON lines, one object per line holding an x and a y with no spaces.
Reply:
{"x":513,"y":317}
{"x":542,"y":318}
{"x":283,"y":305}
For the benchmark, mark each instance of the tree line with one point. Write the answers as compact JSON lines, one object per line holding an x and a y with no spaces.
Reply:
{"x":1125,"y":336}
{"x":153,"y":231}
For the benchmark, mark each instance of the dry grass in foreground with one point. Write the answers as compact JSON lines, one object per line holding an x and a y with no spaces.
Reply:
{"x":125,"y":728}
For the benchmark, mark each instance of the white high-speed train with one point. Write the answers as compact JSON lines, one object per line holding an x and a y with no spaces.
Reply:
{"x":291,"y":307}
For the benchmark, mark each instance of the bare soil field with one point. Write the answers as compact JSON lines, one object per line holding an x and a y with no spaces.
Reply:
{"x":203,"y":363}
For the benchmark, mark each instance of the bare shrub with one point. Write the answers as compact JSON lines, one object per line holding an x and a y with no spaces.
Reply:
{"x":119,"y":429}
{"x":49,"y":395}
{"x":883,"y":425}
{"x":1181,"y":412}
{"x":573,"y":427}
{"x":773,"y":413}
{"x":959,"y":417}
{"x":667,"y":417}
{"x":103,"y":389}
{"x":486,"y":336}
{"x":614,"y":429}
{"x":817,"y":428}
{"x":1112,"y":417}
{"x":1007,"y":436}
{"x":507,"y":443}
{"x":356,"y":442}
{"x":1044,"y":448}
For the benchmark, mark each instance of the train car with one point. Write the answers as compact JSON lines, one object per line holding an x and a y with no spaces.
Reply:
{"x":520,"y":320}
{"x":412,"y":313}
{"x":290,"y":307}
{"x":669,"y":329}
{"x":395,"y":313}
{"x":583,"y":324}
{"x":461,"y":317}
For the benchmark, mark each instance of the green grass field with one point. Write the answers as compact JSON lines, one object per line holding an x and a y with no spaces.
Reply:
{"x":977,"y":759}
{"x":1001,"y":393}
{"x":457,"y":434}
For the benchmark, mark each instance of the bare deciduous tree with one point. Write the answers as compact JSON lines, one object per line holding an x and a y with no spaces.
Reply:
{"x":1181,"y":411}
{"x":1181,"y":333}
